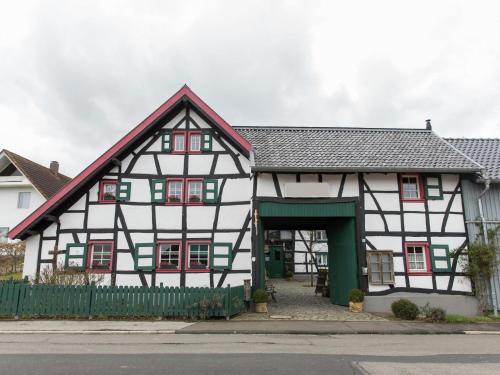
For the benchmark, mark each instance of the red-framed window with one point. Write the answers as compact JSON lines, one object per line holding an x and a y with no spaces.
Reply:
{"x":194,"y":191}
{"x":108,"y":191}
{"x":411,"y":188}
{"x":418,"y":260}
{"x":178,"y":142}
{"x":194,"y":141}
{"x":197,"y":254}
{"x":175,"y":191}
{"x":100,"y":256}
{"x":168,"y":256}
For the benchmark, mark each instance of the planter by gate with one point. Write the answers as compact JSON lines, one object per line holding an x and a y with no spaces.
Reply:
{"x":24,"y":300}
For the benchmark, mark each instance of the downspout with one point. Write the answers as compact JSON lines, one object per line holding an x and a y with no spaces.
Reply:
{"x":486,"y":241}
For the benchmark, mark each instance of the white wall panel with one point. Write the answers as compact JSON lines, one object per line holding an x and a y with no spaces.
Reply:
{"x":237,"y":189}
{"x":145,"y":164}
{"x":201,"y":217}
{"x":124,"y":262}
{"x":137,"y":217}
{"x":455,"y":223}
{"x":225,"y":165}
{"x":70,"y":220}
{"x":374,"y":223}
{"x":168,"y":279}
{"x":351,"y":187}
{"x":168,"y":217}
{"x":31,"y":256}
{"x":414,"y":222}
{"x":381,"y":181}
{"x":200,"y":164}
{"x":386,"y":243}
{"x":101,"y":216}
{"x":265,"y":185}
{"x":333,"y":181}
{"x":424,"y":282}
{"x":171,"y":164}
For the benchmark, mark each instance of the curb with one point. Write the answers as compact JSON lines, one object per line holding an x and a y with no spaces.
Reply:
{"x":325,"y":333}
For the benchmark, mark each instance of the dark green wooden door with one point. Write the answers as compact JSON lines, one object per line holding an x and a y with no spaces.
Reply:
{"x":342,"y":260}
{"x":276,"y":261}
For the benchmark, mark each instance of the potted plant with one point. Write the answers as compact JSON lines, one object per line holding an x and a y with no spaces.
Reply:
{"x":289,"y":275}
{"x":260,"y":300}
{"x":356,"y":298}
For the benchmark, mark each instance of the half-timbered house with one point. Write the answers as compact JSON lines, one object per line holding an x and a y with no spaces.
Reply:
{"x":184,"y":199}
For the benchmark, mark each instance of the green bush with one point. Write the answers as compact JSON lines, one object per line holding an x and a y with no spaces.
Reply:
{"x":289,"y":274}
{"x":260,"y":296}
{"x":433,"y":314}
{"x":404,"y":309}
{"x":356,"y":295}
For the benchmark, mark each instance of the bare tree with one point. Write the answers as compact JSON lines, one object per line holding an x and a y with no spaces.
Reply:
{"x":60,"y":275}
{"x":12,"y":256}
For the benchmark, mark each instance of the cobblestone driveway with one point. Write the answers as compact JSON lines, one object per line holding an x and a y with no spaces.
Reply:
{"x":296,"y":301}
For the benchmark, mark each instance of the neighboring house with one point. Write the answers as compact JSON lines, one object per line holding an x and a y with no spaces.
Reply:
{"x":24,"y":186}
{"x":482,"y":202}
{"x":184,"y":199}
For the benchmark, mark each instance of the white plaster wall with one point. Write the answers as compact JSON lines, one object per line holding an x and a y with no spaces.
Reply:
{"x":382,"y":181}
{"x":124,"y":262}
{"x":70,"y":220}
{"x":333,"y":180}
{"x":374,"y":223}
{"x":168,"y":279}
{"x":449,"y":181}
{"x":10,"y":215}
{"x":169,"y":217}
{"x":237,"y":189}
{"x":414,"y":222}
{"x":201,"y":123}
{"x":462,"y":284}
{"x":393,"y":243}
{"x":413,"y":206}
{"x":225,"y":165}
{"x":171,"y":164}
{"x":140,"y":191}
{"x":31,"y":256}
{"x":265,"y":185}
{"x":232,"y":217}
{"x":285,"y":179}
{"x":455,"y":223}
{"x":145,"y":164}
{"x":200,"y":164}
{"x":201,"y":217}
{"x":80,"y":204}
{"x":424,"y":282}
{"x":351,"y":187}
{"x":137,"y":217}
{"x":101,"y":216}
{"x":175,"y":120}
{"x":442,"y":282}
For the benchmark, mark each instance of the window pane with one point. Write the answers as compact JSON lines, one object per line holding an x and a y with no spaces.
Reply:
{"x":109,"y":191}
{"x":416,"y":258}
{"x":23,"y":200}
{"x":198,"y":256}
{"x":194,"y":191}
{"x":169,"y":256}
{"x":179,"y":142}
{"x":174,"y":191}
{"x":195,"y":142}
{"x":101,"y":256}
{"x":410,"y":187}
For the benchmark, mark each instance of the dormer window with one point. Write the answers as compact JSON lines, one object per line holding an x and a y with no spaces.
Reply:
{"x":411,"y":188}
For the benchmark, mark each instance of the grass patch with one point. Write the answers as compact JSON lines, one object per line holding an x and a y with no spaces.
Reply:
{"x":14,"y":276}
{"x":452,"y":318}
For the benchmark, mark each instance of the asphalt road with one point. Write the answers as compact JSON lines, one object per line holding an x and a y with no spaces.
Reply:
{"x":125,"y":354}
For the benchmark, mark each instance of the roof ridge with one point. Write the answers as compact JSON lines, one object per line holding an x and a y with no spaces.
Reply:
{"x":472,"y":139}
{"x":326,"y":128}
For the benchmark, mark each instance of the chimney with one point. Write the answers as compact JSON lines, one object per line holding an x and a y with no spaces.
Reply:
{"x":428,"y":125}
{"x":54,"y":167}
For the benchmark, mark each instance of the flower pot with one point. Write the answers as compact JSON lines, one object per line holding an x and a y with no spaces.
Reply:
{"x":355,"y":307}
{"x":261,"y":307}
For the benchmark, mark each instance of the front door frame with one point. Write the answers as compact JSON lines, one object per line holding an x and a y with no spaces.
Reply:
{"x":258,"y":269}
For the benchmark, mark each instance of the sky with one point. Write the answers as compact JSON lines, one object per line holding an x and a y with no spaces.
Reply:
{"x":75,"y":76}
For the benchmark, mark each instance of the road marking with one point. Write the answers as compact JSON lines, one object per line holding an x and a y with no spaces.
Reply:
{"x":482,"y":332}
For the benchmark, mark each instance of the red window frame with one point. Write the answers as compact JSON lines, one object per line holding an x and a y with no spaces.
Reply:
{"x":174,"y":134}
{"x":90,"y":249}
{"x":186,"y":255}
{"x":167,"y":189}
{"x":190,"y":134}
{"x":425,"y":246}
{"x":171,"y":242}
{"x":101,"y":191}
{"x":186,"y":192}
{"x":421,"y":197}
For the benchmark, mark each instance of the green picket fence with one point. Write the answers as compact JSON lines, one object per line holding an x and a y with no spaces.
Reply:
{"x":21,"y":299}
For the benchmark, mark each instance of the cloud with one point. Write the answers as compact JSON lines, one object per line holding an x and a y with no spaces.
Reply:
{"x":75,"y":76}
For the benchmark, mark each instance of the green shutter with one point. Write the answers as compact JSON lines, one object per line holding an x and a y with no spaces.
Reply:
{"x":433,"y":187}
{"x":210,"y":190}
{"x":123,"y":191}
{"x":440,"y":258}
{"x":145,"y":256}
{"x":221,"y":255}
{"x":206,"y":140}
{"x":76,"y":255}
{"x":158,"y":190}
{"x":166,"y":142}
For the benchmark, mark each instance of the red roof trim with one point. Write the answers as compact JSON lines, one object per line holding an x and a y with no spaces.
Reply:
{"x":185,"y":91}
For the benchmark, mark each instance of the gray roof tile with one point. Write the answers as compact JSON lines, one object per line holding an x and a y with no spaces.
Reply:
{"x":485,"y":151}
{"x":345,"y":149}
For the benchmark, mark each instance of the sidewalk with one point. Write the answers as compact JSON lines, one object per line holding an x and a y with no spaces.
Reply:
{"x":241,"y":327}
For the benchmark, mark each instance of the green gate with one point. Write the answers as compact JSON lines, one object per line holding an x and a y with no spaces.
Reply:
{"x":339,"y":217}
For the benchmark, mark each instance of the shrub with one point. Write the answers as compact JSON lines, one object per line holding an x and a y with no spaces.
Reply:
{"x":404,"y":309}
{"x":260,"y":296}
{"x":433,"y":314}
{"x":289,"y":274}
{"x":356,"y":295}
